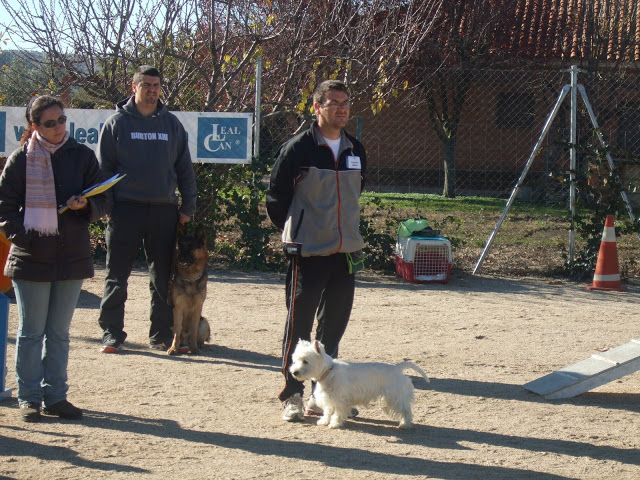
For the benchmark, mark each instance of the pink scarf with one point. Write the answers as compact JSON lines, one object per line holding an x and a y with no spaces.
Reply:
{"x":41,"y":212}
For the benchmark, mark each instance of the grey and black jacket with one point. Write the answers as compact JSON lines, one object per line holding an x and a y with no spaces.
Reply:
{"x":153,"y":152}
{"x":313,"y":197}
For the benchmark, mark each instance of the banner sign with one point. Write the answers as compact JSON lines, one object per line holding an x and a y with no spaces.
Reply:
{"x":213,"y":137}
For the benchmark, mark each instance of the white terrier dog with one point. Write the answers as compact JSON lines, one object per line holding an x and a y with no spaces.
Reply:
{"x":341,"y":385}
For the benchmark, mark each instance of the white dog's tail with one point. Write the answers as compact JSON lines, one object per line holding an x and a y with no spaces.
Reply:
{"x":403,"y":365}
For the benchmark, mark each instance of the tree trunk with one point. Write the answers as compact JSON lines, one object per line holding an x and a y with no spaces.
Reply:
{"x":449,"y":190}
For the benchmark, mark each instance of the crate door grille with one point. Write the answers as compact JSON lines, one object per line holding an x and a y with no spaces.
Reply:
{"x":430,"y":260}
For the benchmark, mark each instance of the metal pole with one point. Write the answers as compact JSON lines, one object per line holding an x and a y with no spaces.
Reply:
{"x":572,"y":158}
{"x":574,"y":87}
{"x":258,"y":107}
{"x":594,"y":122}
{"x":545,"y":130}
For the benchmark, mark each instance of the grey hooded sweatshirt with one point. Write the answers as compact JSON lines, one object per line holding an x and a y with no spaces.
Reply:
{"x":154,"y":154}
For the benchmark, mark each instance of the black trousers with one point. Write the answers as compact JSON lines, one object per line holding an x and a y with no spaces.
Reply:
{"x":321,"y":285}
{"x":132,"y":224}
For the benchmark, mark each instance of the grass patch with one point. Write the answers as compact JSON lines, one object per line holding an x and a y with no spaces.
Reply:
{"x":533,"y":239}
{"x":433,"y":202}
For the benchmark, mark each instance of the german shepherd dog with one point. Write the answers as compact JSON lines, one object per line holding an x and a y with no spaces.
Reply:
{"x":188,"y":289}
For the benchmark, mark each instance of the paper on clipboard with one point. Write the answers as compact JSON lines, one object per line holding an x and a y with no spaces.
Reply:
{"x":96,"y":189}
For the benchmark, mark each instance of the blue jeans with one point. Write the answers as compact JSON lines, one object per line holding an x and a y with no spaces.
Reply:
{"x":45,"y":310}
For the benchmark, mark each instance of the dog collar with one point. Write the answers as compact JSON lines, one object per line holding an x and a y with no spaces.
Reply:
{"x":324,"y":374}
{"x":188,"y":279}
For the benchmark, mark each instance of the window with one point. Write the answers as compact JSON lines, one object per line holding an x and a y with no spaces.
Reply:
{"x":629,"y":127}
{"x":515,"y":110}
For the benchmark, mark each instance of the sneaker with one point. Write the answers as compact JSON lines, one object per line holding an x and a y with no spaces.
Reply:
{"x":111,"y":344}
{"x":63,"y":409}
{"x":313,"y":409}
{"x":161,"y":345}
{"x":164,"y":346}
{"x":293,"y":410}
{"x":30,"y":412}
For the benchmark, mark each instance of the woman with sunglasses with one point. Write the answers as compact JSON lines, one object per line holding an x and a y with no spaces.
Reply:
{"x":50,"y":255}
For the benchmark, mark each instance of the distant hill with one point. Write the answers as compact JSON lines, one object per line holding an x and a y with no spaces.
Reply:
{"x":7,"y":57}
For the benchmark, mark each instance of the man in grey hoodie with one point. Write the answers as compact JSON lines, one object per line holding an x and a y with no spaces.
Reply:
{"x":149,"y":144}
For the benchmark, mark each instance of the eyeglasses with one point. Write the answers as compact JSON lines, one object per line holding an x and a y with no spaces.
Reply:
{"x":346,"y":104}
{"x":52,"y":123}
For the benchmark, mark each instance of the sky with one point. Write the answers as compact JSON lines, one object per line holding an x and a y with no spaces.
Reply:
{"x":5,"y":19}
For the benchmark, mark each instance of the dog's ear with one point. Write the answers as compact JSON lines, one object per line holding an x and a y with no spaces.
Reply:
{"x":318,"y":346}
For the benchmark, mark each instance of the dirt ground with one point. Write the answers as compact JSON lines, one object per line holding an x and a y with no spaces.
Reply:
{"x":480,"y":338}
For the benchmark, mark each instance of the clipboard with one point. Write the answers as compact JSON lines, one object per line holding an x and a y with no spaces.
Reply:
{"x":96,"y":189}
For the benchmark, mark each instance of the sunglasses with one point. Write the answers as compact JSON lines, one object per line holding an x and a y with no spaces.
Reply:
{"x":52,"y":123}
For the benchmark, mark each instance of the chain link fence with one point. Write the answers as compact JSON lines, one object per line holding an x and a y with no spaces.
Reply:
{"x":477,"y":129}
{"x":486,"y":130}
{"x":471,"y":132}
{"x":490,"y":139}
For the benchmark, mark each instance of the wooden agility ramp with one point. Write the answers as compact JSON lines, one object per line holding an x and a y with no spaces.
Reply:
{"x":590,"y":373}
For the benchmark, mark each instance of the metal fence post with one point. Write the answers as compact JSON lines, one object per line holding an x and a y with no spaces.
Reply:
{"x":258,"y":107}
{"x":572,"y":158}
{"x":4,"y":327}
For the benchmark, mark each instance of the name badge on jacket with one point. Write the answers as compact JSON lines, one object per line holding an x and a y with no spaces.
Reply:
{"x":353,"y":163}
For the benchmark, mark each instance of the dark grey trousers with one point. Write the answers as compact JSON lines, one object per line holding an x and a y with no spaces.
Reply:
{"x":315,"y":284}
{"x":132,"y":224}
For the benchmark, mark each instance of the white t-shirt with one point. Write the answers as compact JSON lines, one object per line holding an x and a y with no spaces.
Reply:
{"x":335,"y":146}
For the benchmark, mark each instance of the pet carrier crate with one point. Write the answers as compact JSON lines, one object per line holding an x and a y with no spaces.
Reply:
{"x":424,"y":259}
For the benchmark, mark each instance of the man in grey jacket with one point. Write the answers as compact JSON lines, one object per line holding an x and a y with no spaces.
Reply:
{"x":313,"y":198}
{"x":149,"y":144}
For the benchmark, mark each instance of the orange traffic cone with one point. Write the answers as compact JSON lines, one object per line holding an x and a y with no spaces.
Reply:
{"x":607,"y":275}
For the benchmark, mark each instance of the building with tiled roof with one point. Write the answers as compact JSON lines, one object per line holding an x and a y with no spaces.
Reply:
{"x":545,"y":29}
{"x":515,"y":54}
